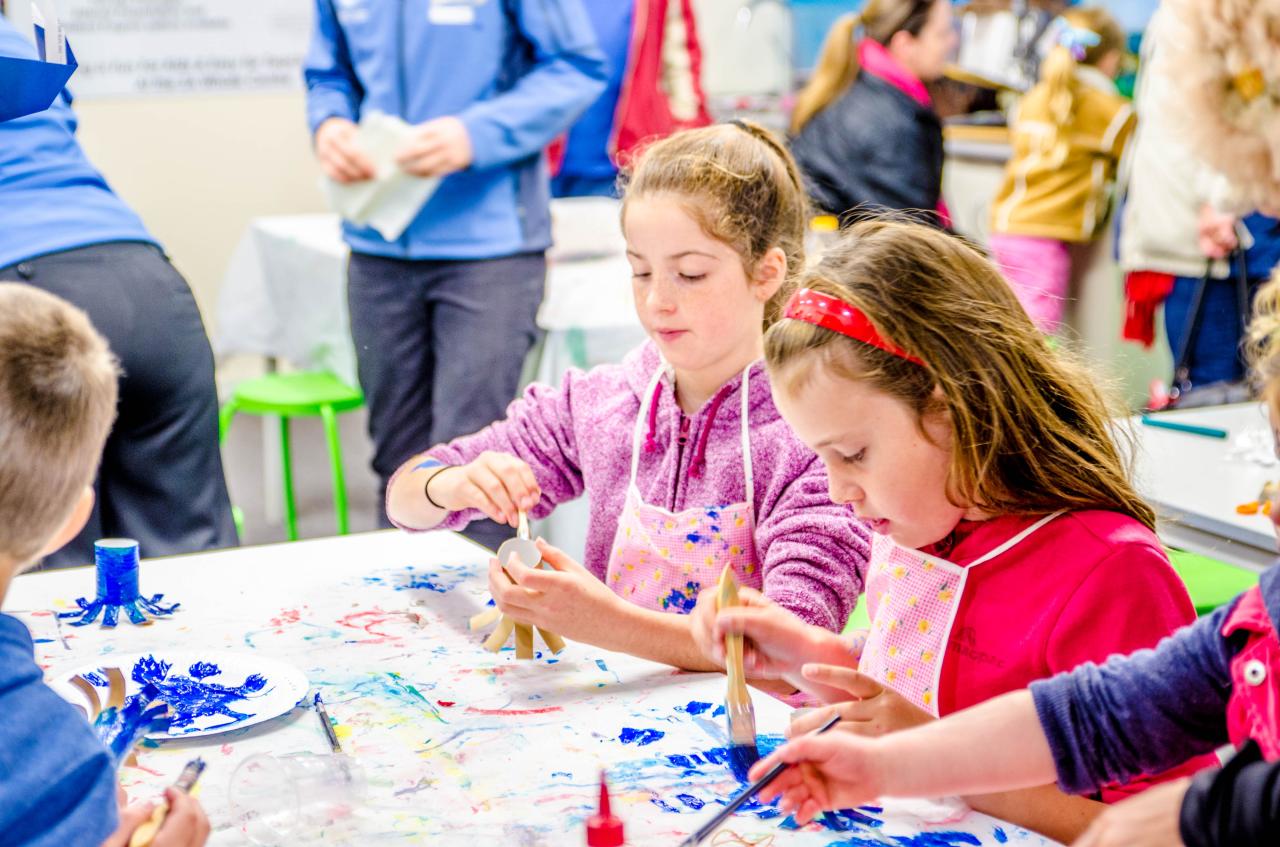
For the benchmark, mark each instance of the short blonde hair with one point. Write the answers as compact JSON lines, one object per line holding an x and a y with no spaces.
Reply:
{"x":1262,"y":344}
{"x":57,"y":402}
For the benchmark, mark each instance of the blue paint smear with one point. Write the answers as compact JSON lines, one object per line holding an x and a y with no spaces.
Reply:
{"x":694,"y":538}
{"x":97,"y":679}
{"x":691,"y":801}
{"x":694,"y":707}
{"x":191,"y":698}
{"x":718,"y":713}
{"x":640,"y":737}
{"x":664,"y":805}
{"x":924,"y":839}
{"x":42,"y":641}
{"x":999,"y":835}
{"x":565,"y":774}
{"x":601,"y":665}
{"x":682,"y":600}
{"x":439,"y":581}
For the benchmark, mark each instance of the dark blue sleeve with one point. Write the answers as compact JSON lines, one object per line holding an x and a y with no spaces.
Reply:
{"x":57,"y":782}
{"x":333,"y":90}
{"x":567,"y":75}
{"x":1139,"y":714}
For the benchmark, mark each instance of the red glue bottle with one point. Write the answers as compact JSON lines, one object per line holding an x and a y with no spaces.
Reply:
{"x":603,"y":829}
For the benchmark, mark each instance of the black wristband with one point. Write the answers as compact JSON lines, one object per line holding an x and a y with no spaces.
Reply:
{"x":426,"y":487}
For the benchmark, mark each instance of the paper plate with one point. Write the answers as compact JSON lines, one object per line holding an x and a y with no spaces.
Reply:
{"x":207,"y":692}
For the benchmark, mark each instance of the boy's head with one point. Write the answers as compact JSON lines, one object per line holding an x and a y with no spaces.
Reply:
{"x":57,"y":402}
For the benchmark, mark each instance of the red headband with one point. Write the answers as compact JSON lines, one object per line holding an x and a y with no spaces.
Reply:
{"x":839,"y":316}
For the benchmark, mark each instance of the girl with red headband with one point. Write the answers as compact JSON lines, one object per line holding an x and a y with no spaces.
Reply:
{"x":686,"y":462}
{"x":1009,"y":543}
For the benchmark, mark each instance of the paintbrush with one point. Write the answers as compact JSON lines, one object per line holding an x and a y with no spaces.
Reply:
{"x":704,"y":832}
{"x":740,"y":714}
{"x":147,"y":830}
{"x":332,"y":736}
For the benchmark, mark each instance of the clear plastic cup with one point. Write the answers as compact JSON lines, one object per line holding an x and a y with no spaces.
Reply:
{"x":290,"y":798}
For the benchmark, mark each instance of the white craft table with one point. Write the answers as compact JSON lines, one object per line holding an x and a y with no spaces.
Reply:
{"x":461,"y":746}
{"x":1196,"y":482}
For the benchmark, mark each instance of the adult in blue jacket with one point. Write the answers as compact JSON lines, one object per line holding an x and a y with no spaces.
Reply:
{"x":63,"y":229}
{"x":443,"y":316}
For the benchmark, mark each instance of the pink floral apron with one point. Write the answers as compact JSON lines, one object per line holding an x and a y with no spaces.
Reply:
{"x":912,"y":599}
{"x":661,"y":559}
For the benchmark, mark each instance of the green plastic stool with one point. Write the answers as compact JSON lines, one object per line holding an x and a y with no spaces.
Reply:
{"x":1209,"y":582}
{"x":859,"y":619}
{"x":302,"y":394}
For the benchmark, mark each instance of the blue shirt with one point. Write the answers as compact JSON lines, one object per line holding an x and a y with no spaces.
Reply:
{"x":51,"y":197}
{"x":515,"y":72}
{"x":57,"y":782}
{"x":586,"y":152}
{"x":1148,"y":712}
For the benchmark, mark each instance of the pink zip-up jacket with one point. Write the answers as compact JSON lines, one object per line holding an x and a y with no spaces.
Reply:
{"x":577,"y":439}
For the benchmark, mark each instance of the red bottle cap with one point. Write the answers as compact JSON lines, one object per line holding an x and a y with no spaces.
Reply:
{"x":604,"y":830}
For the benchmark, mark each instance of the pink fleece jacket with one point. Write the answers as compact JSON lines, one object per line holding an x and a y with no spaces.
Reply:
{"x":577,"y":438}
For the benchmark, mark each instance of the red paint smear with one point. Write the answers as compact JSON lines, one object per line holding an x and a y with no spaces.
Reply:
{"x":40,"y":614}
{"x":147,"y":770}
{"x":446,"y":703}
{"x":473,"y":710}
{"x":370,"y":619}
{"x":226,"y":749}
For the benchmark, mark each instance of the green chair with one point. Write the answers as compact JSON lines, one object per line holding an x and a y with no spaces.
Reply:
{"x":859,"y":619}
{"x":297,"y":395}
{"x":1209,"y":582}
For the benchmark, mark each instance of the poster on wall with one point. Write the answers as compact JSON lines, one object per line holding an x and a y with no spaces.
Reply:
{"x":132,"y":48}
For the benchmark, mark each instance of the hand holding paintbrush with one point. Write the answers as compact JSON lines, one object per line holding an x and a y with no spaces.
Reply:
{"x":739,"y":712}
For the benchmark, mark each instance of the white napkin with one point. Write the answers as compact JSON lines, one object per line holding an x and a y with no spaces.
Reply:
{"x":392,"y":199}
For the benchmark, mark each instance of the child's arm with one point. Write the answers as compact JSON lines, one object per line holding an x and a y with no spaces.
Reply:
{"x":528,"y":460}
{"x":995,"y":746}
{"x":813,"y":552}
{"x":1092,"y":727}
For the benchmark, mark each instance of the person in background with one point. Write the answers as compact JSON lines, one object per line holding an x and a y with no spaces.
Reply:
{"x":1068,"y":136}
{"x":654,"y":88}
{"x":443,"y":316}
{"x":63,"y":229}
{"x":864,"y":130}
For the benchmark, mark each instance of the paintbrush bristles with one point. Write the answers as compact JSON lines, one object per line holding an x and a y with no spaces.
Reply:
{"x":740,"y":714}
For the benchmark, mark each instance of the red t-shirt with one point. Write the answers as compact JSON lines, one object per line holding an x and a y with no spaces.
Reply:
{"x":1081,"y":588}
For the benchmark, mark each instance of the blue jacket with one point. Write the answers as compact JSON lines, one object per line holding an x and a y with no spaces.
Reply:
{"x":51,"y":198}
{"x":57,"y":781}
{"x":516,"y":72}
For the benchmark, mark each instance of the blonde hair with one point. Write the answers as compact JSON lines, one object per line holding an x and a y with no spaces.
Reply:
{"x":1031,"y":430}
{"x":1262,"y":343}
{"x":837,"y":67}
{"x":1058,"y":70}
{"x":740,"y":183}
{"x":57,"y":402}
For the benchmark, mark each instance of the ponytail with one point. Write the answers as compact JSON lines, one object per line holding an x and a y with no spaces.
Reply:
{"x":1084,"y":36}
{"x":837,"y":69}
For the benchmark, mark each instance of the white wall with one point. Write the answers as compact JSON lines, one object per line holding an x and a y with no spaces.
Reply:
{"x":197,"y":169}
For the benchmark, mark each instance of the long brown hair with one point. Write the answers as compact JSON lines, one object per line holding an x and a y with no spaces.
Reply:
{"x":1058,"y":71}
{"x":1031,"y":429}
{"x":740,"y":183}
{"x":837,"y":67}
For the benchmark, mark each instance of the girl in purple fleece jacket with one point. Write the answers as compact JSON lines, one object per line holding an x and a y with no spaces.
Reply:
{"x":685,"y":459}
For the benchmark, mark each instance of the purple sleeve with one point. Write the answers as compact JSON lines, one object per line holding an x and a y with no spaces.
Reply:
{"x":814,"y":552}
{"x":1139,"y":714}
{"x":539,"y":429}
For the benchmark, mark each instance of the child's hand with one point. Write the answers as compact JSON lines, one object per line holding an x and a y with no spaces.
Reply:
{"x":498,"y":484}
{"x":185,"y":825}
{"x":567,"y":600}
{"x":778,"y":643}
{"x":869,"y":707}
{"x":1149,"y":819}
{"x":831,"y":771}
